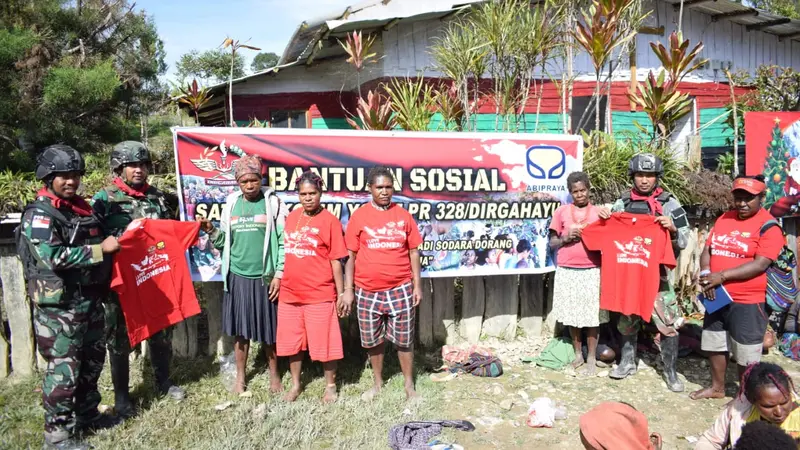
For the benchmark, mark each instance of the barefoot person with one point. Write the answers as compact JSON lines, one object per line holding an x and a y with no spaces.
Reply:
{"x":251,"y":239}
{"x":312,"y":282}
{"x":384,"y":270}
{"x":576,"y":292}
{"x":766,"y":394}
{"x":648,"y":199}
{"x":740,"y":247}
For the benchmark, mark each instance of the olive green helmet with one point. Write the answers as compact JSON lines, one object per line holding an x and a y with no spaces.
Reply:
{"x":128,"y":152}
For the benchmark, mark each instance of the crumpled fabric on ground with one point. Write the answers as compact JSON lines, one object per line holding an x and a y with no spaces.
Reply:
{"x":416,"y":435}
{"x":558,"y":353}
{"x":452,"y":355}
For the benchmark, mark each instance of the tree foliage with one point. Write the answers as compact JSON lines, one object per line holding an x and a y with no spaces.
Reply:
{"x":264,"y":61}
{"x":210,"y":67}
{"x":77,"y":73}
{"x":786,"y":8}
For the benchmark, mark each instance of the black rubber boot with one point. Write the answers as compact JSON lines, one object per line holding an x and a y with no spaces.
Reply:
{"x":100,"y":422}
{"x":160,"y":357}
{"x":669,"y":356}
{"x":627,"y":363}
{"x":120,"y":377}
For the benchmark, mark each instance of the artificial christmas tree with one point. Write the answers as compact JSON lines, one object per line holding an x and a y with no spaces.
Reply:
{"x":776,"y":173}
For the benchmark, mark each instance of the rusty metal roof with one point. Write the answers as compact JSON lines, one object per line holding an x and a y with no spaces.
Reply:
{"x":753,"y":19}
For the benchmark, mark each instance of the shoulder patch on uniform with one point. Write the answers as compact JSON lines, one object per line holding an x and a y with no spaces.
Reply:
{"x":40,"y":221}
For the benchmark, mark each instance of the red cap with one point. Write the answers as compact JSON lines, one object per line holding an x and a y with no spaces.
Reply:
{"x":750,"y":185}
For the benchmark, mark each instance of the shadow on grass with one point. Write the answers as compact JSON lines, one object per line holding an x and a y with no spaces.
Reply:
{"x":182,"y":371}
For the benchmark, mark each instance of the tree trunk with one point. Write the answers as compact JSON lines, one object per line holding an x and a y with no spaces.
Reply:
{"x":597,"y":103}
{"x":230,"y":89}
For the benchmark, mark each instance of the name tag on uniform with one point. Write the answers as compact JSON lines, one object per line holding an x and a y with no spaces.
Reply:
{"x":40,"y":222}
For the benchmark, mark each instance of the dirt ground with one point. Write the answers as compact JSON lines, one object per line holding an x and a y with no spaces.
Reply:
{"x":498,"y":407}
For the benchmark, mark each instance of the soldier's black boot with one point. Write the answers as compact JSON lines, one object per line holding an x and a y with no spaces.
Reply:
{"x":120,"y":377}
{"x":669,"y":356}
{"x":627,"y":363}
{"x":67,"y":444}
{"x":160,"y":357}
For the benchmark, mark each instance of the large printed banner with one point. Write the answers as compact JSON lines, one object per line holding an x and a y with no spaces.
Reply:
{"x":773,"y":149}
{"x":483,"y":202}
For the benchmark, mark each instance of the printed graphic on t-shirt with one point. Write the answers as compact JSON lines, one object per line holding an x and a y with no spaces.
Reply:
{"x":248,"y":223}
{"x":154,"y":263}
{"x":634,"y":251}
{"x":729,"y":244}
{"x":302,"y":243}
{"x":391,"y":235}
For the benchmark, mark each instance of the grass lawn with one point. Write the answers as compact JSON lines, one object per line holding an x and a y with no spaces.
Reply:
{"x":263,"y":421}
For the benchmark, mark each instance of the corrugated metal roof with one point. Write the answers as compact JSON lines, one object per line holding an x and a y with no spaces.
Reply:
{"x":752,"y":18}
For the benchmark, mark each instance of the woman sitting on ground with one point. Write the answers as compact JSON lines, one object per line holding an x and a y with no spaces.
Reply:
{"x":766,"y":394}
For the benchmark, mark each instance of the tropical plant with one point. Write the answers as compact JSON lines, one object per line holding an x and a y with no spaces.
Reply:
{"x":725,"y":163}
{"x":360,"y":53}
{"x":460,"y":56}
{"x":412,"y":102}
{"x":235,"y":45}
{"x":16,"y":190}
{"x":659,"y":96}
{"x":447,"y":103}
{"x":599,"y":35}
{"x":374,"y":113}
{"x":195,"y":97}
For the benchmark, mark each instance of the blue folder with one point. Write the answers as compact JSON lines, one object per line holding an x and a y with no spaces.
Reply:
{"x":721,"y":299}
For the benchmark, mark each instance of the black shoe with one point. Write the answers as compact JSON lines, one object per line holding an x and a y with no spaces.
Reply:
{"x":100,"y":422}
{"x":669,"y":356}
{"x":67,"y":444}
{"x":160,"y":357}
{"x":627,"y":362}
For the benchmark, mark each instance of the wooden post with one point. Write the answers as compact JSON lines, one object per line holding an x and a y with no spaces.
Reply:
{"x":531,"y":301}
{"x":180,"y":340}
{"x":218,"y":343}
{"x":502,"y":302}
{"x":5,"y":368}
{"x":191,"y":336}
{"x":425,"y":314}
{"x":472,"y":309}
{"x":444,"y":310}
{"x":18,"y":309}
{"x":550,"y":320}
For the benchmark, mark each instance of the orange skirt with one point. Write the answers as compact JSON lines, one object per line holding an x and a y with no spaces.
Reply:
{"x":313,"y":327}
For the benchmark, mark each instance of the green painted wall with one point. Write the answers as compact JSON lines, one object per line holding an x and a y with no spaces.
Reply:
{"x":548,"y":123}
{"x":623,"y":124}
{"x":716,"y":134}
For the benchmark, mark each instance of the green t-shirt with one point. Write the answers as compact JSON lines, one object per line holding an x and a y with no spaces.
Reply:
{"x":248,"y":229}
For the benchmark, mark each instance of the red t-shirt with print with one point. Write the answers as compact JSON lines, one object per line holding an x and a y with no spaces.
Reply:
{"x":633,"y":247}
{"x":734,"y":242}
{"x":151,"y":276}
{"x":310,"y":244}
{"x":382,"y":240}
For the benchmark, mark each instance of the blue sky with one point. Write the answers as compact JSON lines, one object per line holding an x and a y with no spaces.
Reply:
{"x":203,"y":24}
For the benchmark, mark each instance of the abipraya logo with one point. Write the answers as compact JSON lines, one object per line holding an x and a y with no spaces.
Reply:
{"x":634,"y":251}
{"x":211,"y":162}
{"x":154,"y":263}
{"x":541,"y":167}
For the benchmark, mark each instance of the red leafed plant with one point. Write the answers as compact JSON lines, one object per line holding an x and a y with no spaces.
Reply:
{"x":374,"y":113}
{"x":195,"y":97}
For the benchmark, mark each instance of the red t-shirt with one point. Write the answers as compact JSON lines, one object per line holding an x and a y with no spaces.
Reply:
{"x":734,"y":242}
{"x":152,"y":277}
{"x":633,"y":247}
{"x":382,"y":240}
{"x":310,"y":244}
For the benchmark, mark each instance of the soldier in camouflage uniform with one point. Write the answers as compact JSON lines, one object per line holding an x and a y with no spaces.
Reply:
{"x":130,"y":198}
{"x":645,"y":170}
{"x":66,"y":256}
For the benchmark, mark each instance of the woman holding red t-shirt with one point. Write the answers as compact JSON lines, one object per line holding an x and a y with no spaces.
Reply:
{"x":740,"y":247}
{"x":383,"y":274}
{"x":576,"y":292}
{"x":312,"y":281}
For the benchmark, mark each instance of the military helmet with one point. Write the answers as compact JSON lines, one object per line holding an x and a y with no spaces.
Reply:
{"x":128,"y":152}
{"x":59,"y":158}
{"x":646,"y":163}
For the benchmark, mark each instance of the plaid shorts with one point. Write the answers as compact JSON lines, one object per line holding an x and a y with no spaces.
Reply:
{"x":386,"y":315}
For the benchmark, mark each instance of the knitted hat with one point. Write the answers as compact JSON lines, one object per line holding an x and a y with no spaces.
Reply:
{"x":248,"y":164}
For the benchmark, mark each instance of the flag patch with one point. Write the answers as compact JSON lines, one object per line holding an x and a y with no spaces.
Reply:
{"x":40,"y":222}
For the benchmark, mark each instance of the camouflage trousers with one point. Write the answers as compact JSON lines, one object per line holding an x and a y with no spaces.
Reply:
{"x":665,"y":313}
{"x":117,"y":340}
{"x":70,"y":339}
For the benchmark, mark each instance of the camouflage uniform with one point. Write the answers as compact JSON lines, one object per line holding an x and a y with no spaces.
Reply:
{"x":665,"y":312}
{"x":67,"y":276}
{"x":119,"y":209}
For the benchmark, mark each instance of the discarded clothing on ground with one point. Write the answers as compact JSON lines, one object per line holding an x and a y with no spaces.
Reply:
{"x":416,"y":435}
{"x":558,"y":353}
